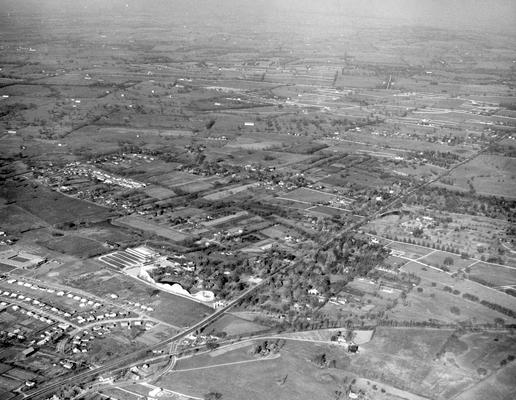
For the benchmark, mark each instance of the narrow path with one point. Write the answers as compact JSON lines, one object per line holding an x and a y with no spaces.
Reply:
{"x":274,"y":356}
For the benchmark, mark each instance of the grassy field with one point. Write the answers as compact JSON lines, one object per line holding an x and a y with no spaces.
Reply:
{"x":291,"y":376}
{"x":492,"y":274}
{"x":142,"y":224}
{"x":324,"y":335}
{"x":117,"y":393}
{"x":406,"y":359}
{"x":499,"y":385}
{"x":175,"y":178}
{"x":326,"y":211}
{"x":158,"y":192}
{"x":52,"y":207}
{"x":488,"y":174}
{"x":462,"y":285}
{"x":15,"y":219}
{"x":76,"y":245}
{"x":415,"y":360}
{"x":437,"y":258}
{"x":309,"y":196}
{"x":234,"y":325}
{"x":409,"y":250}
{"x":435,"y":304}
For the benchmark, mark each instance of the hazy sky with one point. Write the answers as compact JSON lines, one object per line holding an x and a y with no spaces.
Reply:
{"x":471,"y":14}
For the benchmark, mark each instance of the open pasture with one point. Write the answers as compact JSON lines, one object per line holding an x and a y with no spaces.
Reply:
{"x":499,"y":385}
{"x":408,"y":250}
{"x":15,"y":219}
{"x":306,"y":195}
{"x":406,"y":359}
{"x":233,"y":325}
{"x":141,"y":224}
{"x":492,"y":274}
{"x":252,"y":377}
{"x":326,"y":211}
{"x":488,"y":174}
{"x":437,"y":259}
{"x":433,"y":304}
{"x":75,"y":245}
{"x":461,"y":285}
{"x":158,"y":192}
{"x":51,"y":206}
{"x":176,"y":178}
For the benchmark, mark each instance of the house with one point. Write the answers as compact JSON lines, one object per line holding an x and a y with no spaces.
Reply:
{"x":313,"y":291}
{"x":156,"y":392}
{"x":353,"y":348}
{"x":28,"y":351}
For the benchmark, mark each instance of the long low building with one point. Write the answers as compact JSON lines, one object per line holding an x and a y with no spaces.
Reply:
{"x":20,"y":259}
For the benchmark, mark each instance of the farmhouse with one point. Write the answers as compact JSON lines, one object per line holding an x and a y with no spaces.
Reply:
{"x":353,"y":348}
{"x":28,"y":351}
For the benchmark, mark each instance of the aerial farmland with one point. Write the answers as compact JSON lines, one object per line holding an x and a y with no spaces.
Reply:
{"x":257,"y":200}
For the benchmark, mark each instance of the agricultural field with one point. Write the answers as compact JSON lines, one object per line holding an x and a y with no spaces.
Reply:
{"x":416,"y":360}
{"x":307,"y":170}
{"x":490,"y":175}
{"x":499,"y":385}
{"x":492,"y":275}
{"x":15,"y":219}
{"x":141,"y":224}
{"x":232,"y":326}
{"x":408,"y":250}
{"x":462,"y":286}
{"x":52,"y":207}
{"x":76,"y":246}
{"x":252,"y":376}
{"x":442,"y":259}
{"x":309,"y":196}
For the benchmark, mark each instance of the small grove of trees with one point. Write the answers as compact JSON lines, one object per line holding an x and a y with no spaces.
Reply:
{"x":322,"y":361}
{"x":455,"y":310}
{"x":213,"y":396}
{"x":470,"y":297}
{"x":268,"y":346}
{"x":448,"y":261}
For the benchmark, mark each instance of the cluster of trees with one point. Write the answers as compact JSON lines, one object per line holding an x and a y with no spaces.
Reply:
{"x":443,"y":199}
{"x":300,"y":290}
{"x":352,"y":256}
{"x":322,"y":361}
{"x":268,"y":346}
{"x":209,"y":269}
{"x":501,"y":309}
{"x":439,"y":158}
